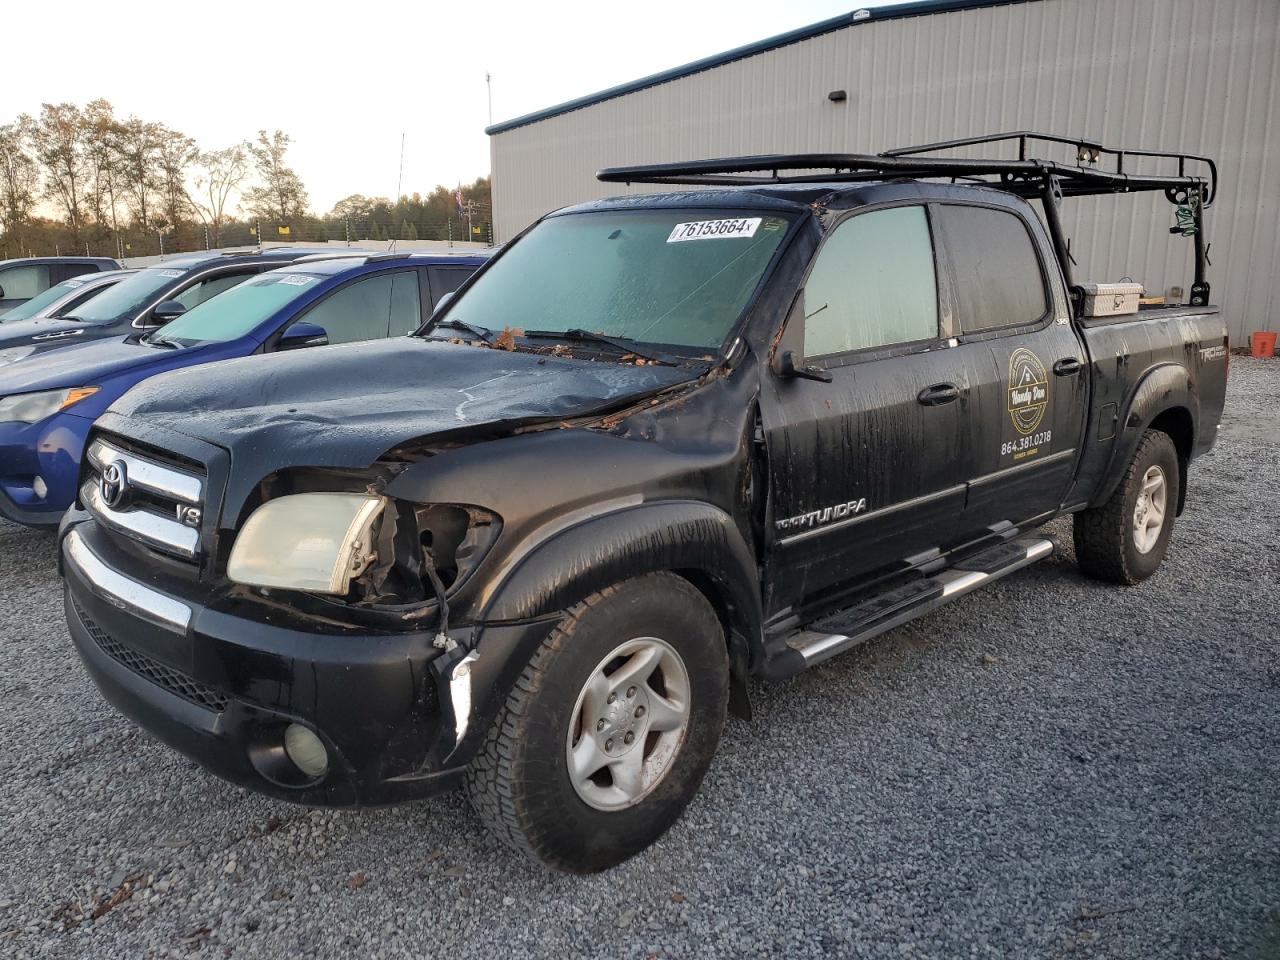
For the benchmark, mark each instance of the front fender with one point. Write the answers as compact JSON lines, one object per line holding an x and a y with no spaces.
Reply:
{"x":1166,"y":387}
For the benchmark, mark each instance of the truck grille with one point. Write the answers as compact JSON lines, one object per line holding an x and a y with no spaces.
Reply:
{"x":166,"y":677}
{"x":158,"y":503}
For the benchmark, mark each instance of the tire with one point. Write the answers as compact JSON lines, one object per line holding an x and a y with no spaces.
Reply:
{"x":522,"y":783}
{"x":1109,"y":544}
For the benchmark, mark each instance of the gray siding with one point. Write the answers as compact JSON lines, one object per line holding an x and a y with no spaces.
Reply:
{"x":1196,"y":75}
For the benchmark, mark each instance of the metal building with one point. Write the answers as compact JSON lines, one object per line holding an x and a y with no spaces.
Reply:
{"x":1201,"y":76}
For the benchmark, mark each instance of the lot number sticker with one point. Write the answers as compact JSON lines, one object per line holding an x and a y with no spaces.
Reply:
{"x":714,"y":229}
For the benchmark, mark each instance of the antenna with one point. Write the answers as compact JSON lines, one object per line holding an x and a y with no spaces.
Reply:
{"x":399,"y":184}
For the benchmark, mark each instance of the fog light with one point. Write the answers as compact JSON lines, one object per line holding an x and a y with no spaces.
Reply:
{"x":40,"y":488}
{"x":305,"y":750}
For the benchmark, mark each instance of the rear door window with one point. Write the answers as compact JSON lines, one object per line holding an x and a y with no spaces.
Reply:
{"x":24,"y":282}
{"x":999,"y":280}
{"x":873,"y":284}
{"x":447,"y":280}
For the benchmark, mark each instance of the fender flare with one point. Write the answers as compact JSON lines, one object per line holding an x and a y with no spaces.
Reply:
{"x":1168,"y":386}
{"x":664,"y":535}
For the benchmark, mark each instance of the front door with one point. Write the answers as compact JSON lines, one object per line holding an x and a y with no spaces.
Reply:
{"x":1027,"y":361}
{"x":869,"y":470}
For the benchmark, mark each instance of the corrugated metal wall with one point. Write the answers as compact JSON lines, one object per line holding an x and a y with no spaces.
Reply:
{"x":1196,"y":75}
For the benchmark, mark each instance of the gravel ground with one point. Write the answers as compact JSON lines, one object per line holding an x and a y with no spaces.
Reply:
{"x":1047,"y":768}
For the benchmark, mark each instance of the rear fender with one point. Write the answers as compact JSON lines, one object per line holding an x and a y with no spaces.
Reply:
{"x":1164,"y":389}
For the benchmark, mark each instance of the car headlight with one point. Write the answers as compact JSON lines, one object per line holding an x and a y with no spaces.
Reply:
{"x":34,"y":407}
{"x":315,"y":542}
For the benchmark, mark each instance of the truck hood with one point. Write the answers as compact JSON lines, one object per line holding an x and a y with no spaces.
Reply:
{"x":19,"y":338}
{"x":347,"y":405}
{"x":75,"y":365}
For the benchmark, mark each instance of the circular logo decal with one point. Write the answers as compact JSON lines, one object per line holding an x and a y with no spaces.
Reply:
{"x":114,"y":484}
{"x":1028,"y":390}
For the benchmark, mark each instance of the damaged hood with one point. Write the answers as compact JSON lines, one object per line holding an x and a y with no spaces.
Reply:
{"x":347,"y":405}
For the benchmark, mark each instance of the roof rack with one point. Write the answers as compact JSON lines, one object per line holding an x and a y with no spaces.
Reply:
{"x":1024,"y":175}
{"x":1098,"y":170}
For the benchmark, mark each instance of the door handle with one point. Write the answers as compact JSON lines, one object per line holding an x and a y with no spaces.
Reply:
{"x":1067,"y":366}
{"x":939,"y":393}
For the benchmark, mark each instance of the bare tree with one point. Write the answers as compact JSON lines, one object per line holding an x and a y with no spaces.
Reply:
{"x":281,"y":195}
{"x":58,"y":137}
{"x":19,"y":179}
{"x":220,"y":174}
{"x":102,"y":195}
{"x":136,"y":145}
{"x":175,"y":153}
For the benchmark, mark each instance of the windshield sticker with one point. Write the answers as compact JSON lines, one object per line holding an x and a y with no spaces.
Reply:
{"x":72,"y":284}
{"x":714,"y":229}
{"x":295,"y":279}
{"x":169,"y":273}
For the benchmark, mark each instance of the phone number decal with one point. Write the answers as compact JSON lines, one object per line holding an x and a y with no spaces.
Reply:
{"x":1027,"y":446}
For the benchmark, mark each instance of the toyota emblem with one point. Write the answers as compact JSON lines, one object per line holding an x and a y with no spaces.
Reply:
{"x":114,"y":484}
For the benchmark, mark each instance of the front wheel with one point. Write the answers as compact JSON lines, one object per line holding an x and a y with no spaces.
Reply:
{"x":1126,"y":538}
{"x":606,"y":735}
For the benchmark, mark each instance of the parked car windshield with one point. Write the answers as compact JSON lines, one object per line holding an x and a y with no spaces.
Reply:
{"x":37,"y":303}
{"x":235,"y":312}
{"x":127,"y":297}
{"x":672,"y":277}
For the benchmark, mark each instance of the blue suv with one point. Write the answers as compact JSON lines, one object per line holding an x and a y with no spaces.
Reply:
{"x":147,"y":299}
{"x":48,"y":403}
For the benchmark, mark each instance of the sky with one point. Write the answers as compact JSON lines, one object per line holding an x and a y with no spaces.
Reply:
{"x":346,"y":80}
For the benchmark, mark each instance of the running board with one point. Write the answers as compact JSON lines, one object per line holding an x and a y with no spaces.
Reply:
{"x":848,"y":628}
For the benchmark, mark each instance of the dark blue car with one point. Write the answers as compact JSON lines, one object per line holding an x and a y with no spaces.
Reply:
{"x":47,"y":403}
{"x":147,"y":299}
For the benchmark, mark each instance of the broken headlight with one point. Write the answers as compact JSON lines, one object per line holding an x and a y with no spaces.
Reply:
{"x":417,"y":540}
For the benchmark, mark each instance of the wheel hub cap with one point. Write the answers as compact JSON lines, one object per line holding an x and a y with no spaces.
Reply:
{"x":628,"y":724}
{"x":1149,"y":510}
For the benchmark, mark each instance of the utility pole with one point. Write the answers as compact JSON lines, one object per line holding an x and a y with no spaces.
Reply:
{"x":488,"y":82}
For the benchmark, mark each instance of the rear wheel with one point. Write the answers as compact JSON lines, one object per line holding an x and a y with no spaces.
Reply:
{"x":1125,"y":539}
{"x":607,"y":733}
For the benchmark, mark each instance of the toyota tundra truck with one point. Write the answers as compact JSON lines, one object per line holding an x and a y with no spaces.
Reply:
{"x":659,"y":445}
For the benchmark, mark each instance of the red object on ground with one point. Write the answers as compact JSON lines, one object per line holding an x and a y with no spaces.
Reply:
{"x":1263,"y":344}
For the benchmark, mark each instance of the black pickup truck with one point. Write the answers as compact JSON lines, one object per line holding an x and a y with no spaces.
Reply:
{"x":657,"y":446}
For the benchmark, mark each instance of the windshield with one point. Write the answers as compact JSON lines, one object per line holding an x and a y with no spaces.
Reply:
{"x":129,"y":296}
{"x":671,"y":277}
{"x":37,"y":303}
{"x":235,"y":312}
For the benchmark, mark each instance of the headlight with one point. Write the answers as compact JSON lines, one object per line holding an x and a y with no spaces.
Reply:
{"x":307,"y":541}
{"x":34,"y":407}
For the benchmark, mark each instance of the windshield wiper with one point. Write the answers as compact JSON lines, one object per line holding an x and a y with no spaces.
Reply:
{"x":484,"y":334}
{"x":625,"y":344}
{"x":154,"y":341}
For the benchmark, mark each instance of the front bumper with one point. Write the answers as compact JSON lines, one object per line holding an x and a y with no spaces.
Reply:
{"x":221,"y":686}
{"x":50,"y":450}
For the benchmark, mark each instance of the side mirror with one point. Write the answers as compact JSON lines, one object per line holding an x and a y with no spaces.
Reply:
{"x":444,"y":298}
{"x":167,"y":310}
{"x":303,"y":334}
{"x":788,"y":370}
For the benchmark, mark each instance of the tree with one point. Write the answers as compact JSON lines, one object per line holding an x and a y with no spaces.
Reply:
{"x":281,"y":195}
{"x":356,"y":207}
{"x":220,"y":174}
{"x":136,"y":146}
{"x":58,"y":137}
{"x":104,"y":176}
{"x":175,"y":153}
{"x":19,"y":179}
{"x":408,"y":231}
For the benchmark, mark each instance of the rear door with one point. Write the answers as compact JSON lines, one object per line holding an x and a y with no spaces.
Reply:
{"x":1026,"y":358}
{"x":869,"y":470}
